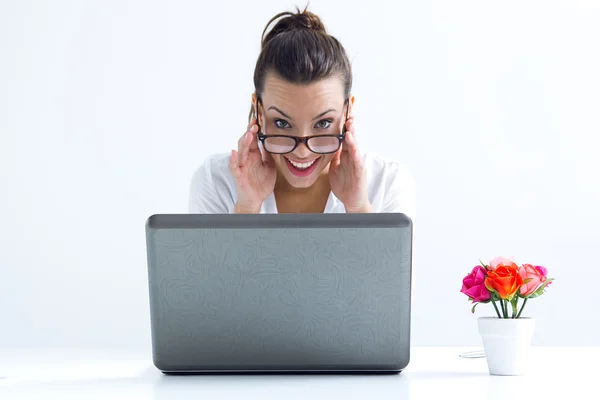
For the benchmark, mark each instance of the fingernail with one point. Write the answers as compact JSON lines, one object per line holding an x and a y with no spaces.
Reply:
{"x":252,"y":128}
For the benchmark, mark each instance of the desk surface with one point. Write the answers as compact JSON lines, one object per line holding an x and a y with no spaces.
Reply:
{"x":433,"y":372}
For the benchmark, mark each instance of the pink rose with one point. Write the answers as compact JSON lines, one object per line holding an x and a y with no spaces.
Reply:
{"x":536,"y":276}
{"x":474,"y":287}
{"x":496,"y":261}
{"x":543,"y":271}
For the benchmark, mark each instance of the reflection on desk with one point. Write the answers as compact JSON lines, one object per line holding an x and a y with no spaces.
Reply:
{"x":433,"y":372}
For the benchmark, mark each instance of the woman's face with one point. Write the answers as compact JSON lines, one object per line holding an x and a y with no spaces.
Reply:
{"x":296,"y":110}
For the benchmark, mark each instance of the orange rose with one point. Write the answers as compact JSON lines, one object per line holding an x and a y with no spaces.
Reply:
{"x":504,"y":280}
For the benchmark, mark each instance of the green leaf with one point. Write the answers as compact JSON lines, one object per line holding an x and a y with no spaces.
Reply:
{"x":535,"y":294}
{"x":473,"y":309}
{"x":541,"y":290}
{"x":527,"y":280}
{"x":482,"y":264}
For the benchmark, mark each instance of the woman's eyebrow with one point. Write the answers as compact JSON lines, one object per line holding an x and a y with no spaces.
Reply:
{"x":323,"y":113}
{"x":280,"y":112}
{"x":290,"y":118}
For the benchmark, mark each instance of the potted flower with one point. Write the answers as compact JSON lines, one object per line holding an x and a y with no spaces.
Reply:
{"x":507,"y":336}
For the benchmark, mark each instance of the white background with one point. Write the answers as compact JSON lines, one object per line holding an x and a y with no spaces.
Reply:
{"x":108,"y":107}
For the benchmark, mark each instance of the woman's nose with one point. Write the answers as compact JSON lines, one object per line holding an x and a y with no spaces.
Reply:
{"x":302,"y":151}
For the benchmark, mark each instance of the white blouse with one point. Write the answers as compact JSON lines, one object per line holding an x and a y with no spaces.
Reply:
{"x":390,"y":186}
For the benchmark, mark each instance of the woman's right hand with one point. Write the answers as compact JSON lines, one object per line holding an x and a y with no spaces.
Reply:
{"x":254,"y":172}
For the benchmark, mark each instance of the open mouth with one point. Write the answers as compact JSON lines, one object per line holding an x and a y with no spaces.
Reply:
{"x":302,"y":169}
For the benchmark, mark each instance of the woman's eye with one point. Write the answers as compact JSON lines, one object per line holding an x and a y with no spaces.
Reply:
{"x":324,"y":124}
{"x":280,"y":123}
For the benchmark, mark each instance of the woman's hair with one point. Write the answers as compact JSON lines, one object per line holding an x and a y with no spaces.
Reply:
{"x":299,"y":50}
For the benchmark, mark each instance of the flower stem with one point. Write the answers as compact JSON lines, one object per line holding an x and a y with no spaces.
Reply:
{"x":505,"y":308}
{"x":496,"y":307}
{"x":514,"y":307}
{"x":522,"y":307}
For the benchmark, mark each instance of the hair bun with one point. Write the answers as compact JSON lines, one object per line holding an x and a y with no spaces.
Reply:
{"x":292,"y":22}
{"x":307,"y":20}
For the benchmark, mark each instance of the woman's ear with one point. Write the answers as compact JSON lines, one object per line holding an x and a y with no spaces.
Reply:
{"x":351,"y":105}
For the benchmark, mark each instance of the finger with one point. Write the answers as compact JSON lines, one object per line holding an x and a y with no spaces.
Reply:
{"x":350,"y":145}
{"x":233,"y":164}
{"x":349,"y":122}
{"x":241,"y":139}
{"x":244,"y":146}
{"x":349,"y":131}
{"x":350,"y":125}
{"x":346,"y":142}
{"x":243,"y":149}
{"x":335,"y":161}
{"x":253,"y":141}
{"x":250,"y":123}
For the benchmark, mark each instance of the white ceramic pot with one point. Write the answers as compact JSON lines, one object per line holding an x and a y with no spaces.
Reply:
{"x":507,"y":344}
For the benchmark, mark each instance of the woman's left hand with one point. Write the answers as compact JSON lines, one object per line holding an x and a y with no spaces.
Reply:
{"x":348,"y":174}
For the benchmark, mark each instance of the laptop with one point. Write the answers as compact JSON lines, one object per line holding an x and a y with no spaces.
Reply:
{"x":280,"y":293}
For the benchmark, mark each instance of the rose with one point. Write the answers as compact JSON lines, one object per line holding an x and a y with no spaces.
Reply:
{"x":504,"y":280}
{"x":533,"y":277}
{"x":474,"y":287}
{"x":496,"y":261}
{"x":543,"y":271}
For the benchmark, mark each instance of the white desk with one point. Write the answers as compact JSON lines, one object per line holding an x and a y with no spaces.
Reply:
{"x":432,"y":373}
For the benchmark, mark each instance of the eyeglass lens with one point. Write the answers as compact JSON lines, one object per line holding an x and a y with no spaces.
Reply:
{"x":323,"y":144}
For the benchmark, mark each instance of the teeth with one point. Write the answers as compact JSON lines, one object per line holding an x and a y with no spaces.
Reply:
{"x":302,"y":165}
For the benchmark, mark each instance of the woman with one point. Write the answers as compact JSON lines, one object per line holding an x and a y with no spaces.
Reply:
{"x":299,"y":153}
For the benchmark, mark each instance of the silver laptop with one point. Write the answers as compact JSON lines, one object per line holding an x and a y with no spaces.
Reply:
{"x":280,"y":293}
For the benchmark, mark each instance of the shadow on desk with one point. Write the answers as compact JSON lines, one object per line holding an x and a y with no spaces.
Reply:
{"x":441,"y":375}
{"x":150,"y":383}
{"x":279,"y":385}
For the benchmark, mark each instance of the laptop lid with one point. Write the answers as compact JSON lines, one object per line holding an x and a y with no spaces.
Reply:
{"x":280,"y":292}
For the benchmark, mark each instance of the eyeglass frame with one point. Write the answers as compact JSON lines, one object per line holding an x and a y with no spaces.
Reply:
{"x":298,"y":140}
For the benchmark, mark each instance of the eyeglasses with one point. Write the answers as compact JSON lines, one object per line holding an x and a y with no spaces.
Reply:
{"x":284,"y":144}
